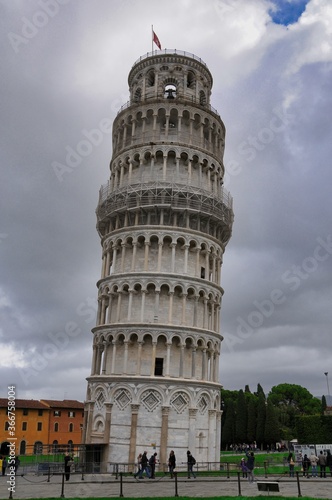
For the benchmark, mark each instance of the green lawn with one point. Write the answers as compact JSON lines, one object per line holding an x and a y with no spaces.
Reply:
{"x":193,"y":498}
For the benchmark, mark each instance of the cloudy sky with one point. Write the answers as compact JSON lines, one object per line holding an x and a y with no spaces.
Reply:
{"x":64,"y":69}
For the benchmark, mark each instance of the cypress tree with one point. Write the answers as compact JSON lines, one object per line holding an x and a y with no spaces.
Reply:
{"x":228,"y":429}
{"x":252,"y":421}
{"x":261,"y":414}
{"x":241,"y":418}
{"x":271,"y":431}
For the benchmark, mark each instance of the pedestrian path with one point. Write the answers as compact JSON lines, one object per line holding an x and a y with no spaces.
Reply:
{"x":110,"y":486}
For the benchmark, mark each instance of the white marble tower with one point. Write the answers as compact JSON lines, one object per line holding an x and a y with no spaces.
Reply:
{"x":164,"y":220}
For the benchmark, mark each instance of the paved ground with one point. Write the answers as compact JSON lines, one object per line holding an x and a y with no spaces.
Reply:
{"x":107,"y":486}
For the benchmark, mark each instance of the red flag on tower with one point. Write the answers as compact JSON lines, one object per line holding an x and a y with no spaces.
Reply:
{"x":156,"y":40}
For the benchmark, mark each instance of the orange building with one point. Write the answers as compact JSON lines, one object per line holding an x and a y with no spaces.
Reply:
{"x":39,"y":424}
{"x":65,"y":423}
{"x":31,"y":425}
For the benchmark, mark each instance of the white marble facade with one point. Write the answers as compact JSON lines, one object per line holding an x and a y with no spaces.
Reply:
{"x":164,"y":220}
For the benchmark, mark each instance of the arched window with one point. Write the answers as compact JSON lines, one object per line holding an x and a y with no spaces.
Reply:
{"x":202,"y":98}
{"x":70,"y":446}
{"x":71,"y":427}
{"x":55,"y":446}
{"x":151,"y":78}
{"x":22,"y":447}
{"x":56,"y":427}
{"x":138,"y":95}
{"x":170,"y":91}
{"x":191,"y":80}
{"x":38,"y":448}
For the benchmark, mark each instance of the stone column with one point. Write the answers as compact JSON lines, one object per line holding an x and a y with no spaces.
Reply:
{"x":103,"y":369}
{"x":91,"y":406}
{"x":130,"y":304}
{"x":156,"y":306}
{"x":113,"y":357}
{"x":146,"y":255}
{"x":168,"y":358}
{"x":139,"y":357}
{"x":160,"y":251}
{"x":133,"y":437}
{"x":192,"y":429}
{"x":164,"y":436}
{"x":94,"y":359}
{"x":108,"y":418}
{"x":212,"y":436}
{"x":193,"y":363}
{"x":125,"y":359}
{"x":123,"y":254}
{"x":133,"y":261}
{"x":218,"y":435}
{"x":153,"y":358}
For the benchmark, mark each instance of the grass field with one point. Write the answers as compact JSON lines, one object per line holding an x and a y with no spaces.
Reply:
{"x":194,"y":498}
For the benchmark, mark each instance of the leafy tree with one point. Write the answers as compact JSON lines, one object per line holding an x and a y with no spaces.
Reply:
{"x":324,"y":405}
{"x":247,"y":390}
{"x":292,"y":400}
{"x":296,"y":397}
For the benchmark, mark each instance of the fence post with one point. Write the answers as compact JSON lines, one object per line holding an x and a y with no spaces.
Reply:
{"x":176,"y":483}
{"x":63,"y":486}
{"x":48,"y":474}
{"x":298,"y":484}
{"x":265,"y":468}
{"x":239,"y":484}
{"x":121,"y":486}
{"x":227,"y":470}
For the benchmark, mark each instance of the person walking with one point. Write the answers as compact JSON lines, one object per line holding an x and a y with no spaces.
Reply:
{"x":139,"y":464}
{"x":171,"y":463}
{"x":144,"y":466}
{"x":322,"y":464}
{"x":152,"y":463}
{"x":190,"y":464}
{"x":250,"y":466}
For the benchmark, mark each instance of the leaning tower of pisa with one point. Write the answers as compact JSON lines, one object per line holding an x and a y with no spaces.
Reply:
{"x":164,"y":220}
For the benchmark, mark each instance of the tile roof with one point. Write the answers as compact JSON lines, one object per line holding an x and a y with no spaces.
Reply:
{"x":24,"y":403}
{"x":44,"y":404}
{"x":65,"y":403}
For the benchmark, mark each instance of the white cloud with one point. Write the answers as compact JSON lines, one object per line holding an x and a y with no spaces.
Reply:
{"x":73,"y":73}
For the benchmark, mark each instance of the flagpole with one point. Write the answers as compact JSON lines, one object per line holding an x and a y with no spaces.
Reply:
{"x":152,"y":38}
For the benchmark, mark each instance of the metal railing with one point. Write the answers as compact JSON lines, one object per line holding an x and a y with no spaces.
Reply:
{"x":161,"y":192}
{"x":171,"y":52}
{"x":174,"y":102}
